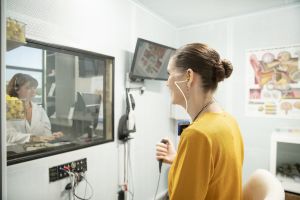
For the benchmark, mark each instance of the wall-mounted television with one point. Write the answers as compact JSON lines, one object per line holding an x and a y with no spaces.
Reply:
{"x":150,"y":60}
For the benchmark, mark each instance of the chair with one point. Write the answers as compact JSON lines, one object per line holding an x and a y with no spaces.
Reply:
{"x":262,"y":185}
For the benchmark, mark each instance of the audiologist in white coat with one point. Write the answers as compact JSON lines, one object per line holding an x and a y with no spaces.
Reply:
{"x":36,"y":127}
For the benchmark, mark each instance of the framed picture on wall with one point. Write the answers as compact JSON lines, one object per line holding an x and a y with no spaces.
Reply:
{"x":273,"y":82}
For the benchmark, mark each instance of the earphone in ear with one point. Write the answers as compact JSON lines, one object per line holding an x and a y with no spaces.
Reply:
{"x":16,"y":85}
{"x":188,"y":76}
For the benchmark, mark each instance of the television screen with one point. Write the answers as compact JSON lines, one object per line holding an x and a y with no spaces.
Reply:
{"x":150,"y":60}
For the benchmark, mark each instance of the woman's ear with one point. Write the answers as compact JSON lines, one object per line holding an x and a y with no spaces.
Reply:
{"x":190,"y":77}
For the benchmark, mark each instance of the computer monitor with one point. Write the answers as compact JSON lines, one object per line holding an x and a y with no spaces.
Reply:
{"x":150,"y":60}
{"x":86,"y":113}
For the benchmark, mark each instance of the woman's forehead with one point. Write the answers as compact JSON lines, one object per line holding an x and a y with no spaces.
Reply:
{"x":26,"y":84}
{"x":171,"y":65}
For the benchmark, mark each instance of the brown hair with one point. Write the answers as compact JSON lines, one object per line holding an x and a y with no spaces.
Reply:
{"x":205,"y":61}
{"x":17,"y":81}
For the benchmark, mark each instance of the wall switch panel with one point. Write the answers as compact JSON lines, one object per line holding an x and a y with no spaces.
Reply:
{"x":60,"y":171}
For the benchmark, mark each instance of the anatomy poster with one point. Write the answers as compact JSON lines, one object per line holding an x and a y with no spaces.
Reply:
{"x":273,"y":82}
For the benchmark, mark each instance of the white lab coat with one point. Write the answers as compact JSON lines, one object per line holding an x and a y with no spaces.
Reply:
{"x":19,"y":131}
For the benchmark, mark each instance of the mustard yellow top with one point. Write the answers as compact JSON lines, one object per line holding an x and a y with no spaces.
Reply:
{"x":209,"y":160}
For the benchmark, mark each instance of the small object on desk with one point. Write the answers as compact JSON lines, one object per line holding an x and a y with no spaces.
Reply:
{"x":31,"y":146}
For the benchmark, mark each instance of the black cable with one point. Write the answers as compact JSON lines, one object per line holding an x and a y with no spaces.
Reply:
{"x":76,"y":183}
{"x":157,"y":186}
{"x":81,"y":197}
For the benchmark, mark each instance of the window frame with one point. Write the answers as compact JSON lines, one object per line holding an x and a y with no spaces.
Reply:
{"x":41,"y":153}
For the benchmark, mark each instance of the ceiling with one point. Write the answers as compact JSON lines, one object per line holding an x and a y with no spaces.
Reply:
{"x":181,"y":13}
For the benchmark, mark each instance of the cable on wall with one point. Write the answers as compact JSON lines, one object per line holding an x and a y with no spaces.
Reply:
{"x":75,"y":179}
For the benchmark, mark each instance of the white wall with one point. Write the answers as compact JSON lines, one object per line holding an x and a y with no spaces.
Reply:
{"x":107,"y":27}
{"x":232,"y":37}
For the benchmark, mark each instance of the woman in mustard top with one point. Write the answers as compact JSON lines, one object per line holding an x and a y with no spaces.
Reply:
{"x":208,"y":162}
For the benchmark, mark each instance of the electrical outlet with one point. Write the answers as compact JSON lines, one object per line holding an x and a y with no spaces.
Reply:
{"x":60,"y":171}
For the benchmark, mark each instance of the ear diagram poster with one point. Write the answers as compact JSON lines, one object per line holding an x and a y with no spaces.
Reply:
{"x":273,"y":82}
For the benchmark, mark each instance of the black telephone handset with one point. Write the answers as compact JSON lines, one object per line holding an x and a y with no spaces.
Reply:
{"x":160,"y":161}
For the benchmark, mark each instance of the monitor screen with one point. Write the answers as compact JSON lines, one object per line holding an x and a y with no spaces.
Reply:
{"x":150,"y":60}
{"x":86,"y":112}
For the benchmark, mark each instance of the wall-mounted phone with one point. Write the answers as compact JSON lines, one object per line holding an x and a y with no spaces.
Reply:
{"x":127,"y":121}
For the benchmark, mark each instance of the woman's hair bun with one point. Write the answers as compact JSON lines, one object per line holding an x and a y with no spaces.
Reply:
{"x":227,"y":67}
{"x":223,"y":70}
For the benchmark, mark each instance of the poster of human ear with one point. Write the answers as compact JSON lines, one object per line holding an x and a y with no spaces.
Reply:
{"x":273,"y":82}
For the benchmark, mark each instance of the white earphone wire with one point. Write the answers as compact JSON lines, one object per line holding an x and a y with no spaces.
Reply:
{"x":176,"y":83}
